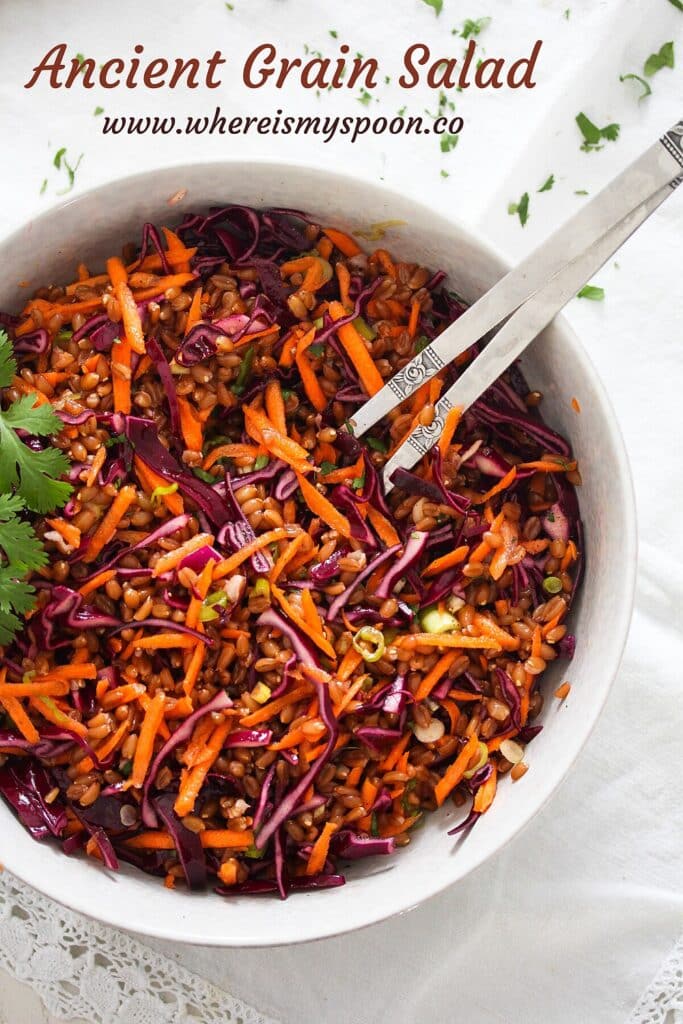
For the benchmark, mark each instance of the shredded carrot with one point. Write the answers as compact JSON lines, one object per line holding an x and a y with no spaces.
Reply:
{"x":39,"y":688}
{"x":429,"y":681}
{"x":483,"y":798}
{"x":173,"y":558}
{"x":70,"y":533}
{"x":97,"y":581}
{"x":344,"y":279}
{"x":288,"y":554}
{"x":488,"y":627}
{"x":320,"y":506}
{"x":310,"y":382}
{"x":389,"y":762}
{"x":411,"y":640}
{"x":382,"y":527}
{"x":19,"y":716}
{"x":349,"y":664}
{"x":275,"y":406}
{"x":121,"y":695}
{"x":563,"y":691}
{"x":194,"y":313}
{"x":130,"y":316}
{"x":230,"y":451}
{"x":454,"y":557}
{"x":190,"y":425}
{"x":338,"y":476}
{"x":202,"y":588}
{"x":548,"y":465}
{"x":346,"y":700}
{"x":502,"y":484}
{"x":51,"y":712}
{"x":150,"y":481}
{"x":274,"y":707}
{"x":211,"y":838}
{"x":193,"y":781}
{"x":570,"y":555}
{"x":111,"y":743}
{"x":355,"y":348}
{"x":107,"y":528}
{"x":145,"y":746}
{"x":259,"y":427}
{"x":414,"y":317}
{"x":456,"y":770}
{"x":194,"y":668}
{"x":121,"y":374}
{"x":346,"y":244}
{"x":318,"y":639}
{"x":576,"y":406}
{"x":161,"y":641}
{"x":228,"y":565}
{"x":320,"y":849}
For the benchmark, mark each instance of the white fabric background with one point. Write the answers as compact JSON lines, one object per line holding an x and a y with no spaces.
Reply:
{"x":574,"y":917}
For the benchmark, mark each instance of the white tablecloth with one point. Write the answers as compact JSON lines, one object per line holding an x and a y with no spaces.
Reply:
{"x":572,"y":920}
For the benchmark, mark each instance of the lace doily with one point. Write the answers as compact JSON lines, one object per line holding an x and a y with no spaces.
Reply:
{"x":85,"y":970}
{"x":662,"y":1000}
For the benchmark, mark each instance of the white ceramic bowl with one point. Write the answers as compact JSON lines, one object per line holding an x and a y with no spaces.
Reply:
{"x":94,"y":225}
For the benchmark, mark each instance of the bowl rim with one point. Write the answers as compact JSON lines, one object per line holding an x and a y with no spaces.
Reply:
{"x":324,"y":926}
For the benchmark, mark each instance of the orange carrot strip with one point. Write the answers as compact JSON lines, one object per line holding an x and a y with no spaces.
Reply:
{"x":389,"y":762}
{"x":202,"y":587}
{"x":382,"y":527}
{"x":414,"y":317}
{"x":484,"y":796}
{"x":151,"y":480}
{"x":311,"y":384}
{"x":130,"y":316}
{"x":569,"y":556}
{"x":228,"y":565}
{"x":490,"y":628}
{"x":107,"y":528}
{"x":211,"y":838}
{"x":105,"y":749}
{"x":173,"y":558}
{"x":447,"y":561}
{"x":292,"y":739}
{"x":194,"y":668}
{"x":194,"y":313}
{"x":320,"y":506}
{"x":464,"y":695}
{"x":348,"y":696}
{"x":121,"y":695}
{"x":497,"y":488}
{"x":121,"y":374}
{"x":320,"y":849}
{"x":230,"y":451}
{"x":287,"y":555}
{"x":97,"y":581}
{"x":311,"y":615}
{"x":536,"y":643}
{"x":190,"y":425}
{"x":19,"y":717}
{"x":298,"y":620}
{"x":549,"y":466}
{"x":275,"y":406}
{"x":349,"y":664}
{"x":71,"y":534}
{"x":450,"y":426}
{"x":117,"y":271}
{"x":354,"y":346}
{"x":162,"y":641}
{"x":194,"y":779}
{"x":344,"y":279}
{"x":145,"y":747}
{"x":447,"y":640}
{"x":429,"y":681}
{"x":274,"y":707}
{"x":338,"y":476}
{"x":96,"y":464}
{"x":259,"y":427}
{"x":346,"y":244}
{"x":46,"y":707}
{"x":561,"y":692}
{"x":456,"y":770}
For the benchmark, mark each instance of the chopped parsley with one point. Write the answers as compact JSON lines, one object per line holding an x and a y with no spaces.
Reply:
{"x":636,"y":78}
{"x":365,"y":97}
{"x":664,"y":58}
{"x":97,"y":111}
{"x":448,"y":142}
{"x":547,"y":184}
{"x":592,"y":135}
{"x":60,"y":162}
{"x":327,"y":467}
{"x":376,"y":444}
{"x":580,"y":192}
{"x":592,"y":292}
{"x":421,"y":344}
{"x":436,"y":4}
{"x":444,"y":174}
{"x":472,"y":27}
{"x":43,"y":187}
{"x":333,"y":33}
{"x":678,"y":4}
{"x":521,"y":209}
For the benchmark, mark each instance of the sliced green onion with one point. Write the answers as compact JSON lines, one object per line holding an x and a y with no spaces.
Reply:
{"x":261,"y":462}
{"x":160,"y":492}
{"x":481,"y":761}
{"x":434,"y":621}
{"x":245,"y":371}
{"x":318,"y":322}
{"x":410,"y":785}
{"x":254,"y":853}
{"x":421,"y":343}
{"x":261,"y":693}
{"x":368,"y":635}
{"x":201,"y":474}
{"x":374,"y":827}
{"x":552,"y":584}
{"x":125,"y":768}
{"x":364,"y":329}
{"x":261,"y":588}
{"x":64,"y":334}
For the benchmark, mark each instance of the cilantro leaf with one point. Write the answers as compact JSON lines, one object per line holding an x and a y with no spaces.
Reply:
{"x":678,"y":4}
{"x":547,"y":184}
{"x":473,"y":26}
{"x":19,"y":543}
{"x":436,"y":4}
{"x":636,"y":78}
{"x":592,"y":135}
{"x":32,"y":473}
{"x":664,"y":58}
{"x":448,"y":142}
{"x":592,"y":292}
{"x":521,"y":209}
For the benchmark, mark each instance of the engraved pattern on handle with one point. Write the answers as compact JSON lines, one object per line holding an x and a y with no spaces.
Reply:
{"x":408,"y":380}
{"x":422,"y":438}
{"x":673,"y":144}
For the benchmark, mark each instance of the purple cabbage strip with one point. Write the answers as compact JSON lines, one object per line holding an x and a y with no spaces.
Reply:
{"x":162,"y":367}
{"x":342,"y":598}
{"x":350,"y":845}
{"x":188,"y":844}
{"x":412,"y":551}
{"x":302,"y":649}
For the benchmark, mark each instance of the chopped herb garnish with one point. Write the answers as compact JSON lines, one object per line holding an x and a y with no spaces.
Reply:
{"x":358,"y":482}
{"x":547,"y":184}
{"x":592,"y":292}
{"x":521,"y":209}
{"x":421,"y":343}
{"x":678,"y":4}
{"x":473,"y":26}
{"x":244,"y":372}
{"x":592,"y":135}
{"x":580,"y":192}
{"x":317,"y":349}
{"x":326,"y":467}
{"x":647,"y":91}
{"x":567,"y":13}
{"x":333,"y":33}
{"x":448,"y":142}
{"x":365,"y":97}
{"x":444,"y":174}
{"x":376,"y":444}
{"x":97,"y":111}
{"x":261,"y":462}
{"x":402,"y":111}
{"x":436,"y":4}
{"x":664,"y":58}
{"x":43,"y":187}
{"x":57,"y":159}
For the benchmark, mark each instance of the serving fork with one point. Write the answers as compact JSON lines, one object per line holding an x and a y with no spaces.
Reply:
{"x":523,"y":302}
